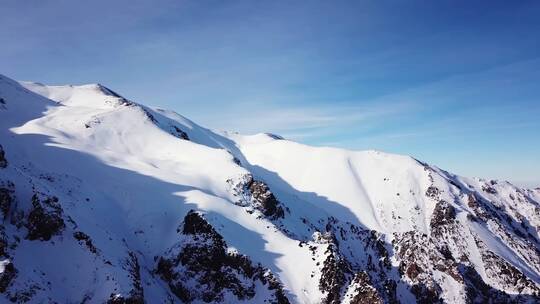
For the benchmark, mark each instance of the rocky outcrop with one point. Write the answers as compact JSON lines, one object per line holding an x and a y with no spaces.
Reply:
{"x":433,"y":192}
{"x":363,"y":291}
{"x":507,"y":222}
{"x":177,"y":132}
{"x":7,"y":274}
{"x":6,"y":200}
{"x":256,"y":194}
{"x":477,"y":291}
{"x":85,"y":239}
{"x":136,"y":294}
{"x":3,"y":160}
{"x":418,"y":258}
{"x":3,"y":242}
{"x":335,"y":274}
{"x":120,"y":299}
{"x":444,"y":214}
{"x":45,"y":219}
{"x":200,"y":267}
{"x":504,"y":274}
{"x":265,"y":199}
{"x":194,"y":224}
{"x":274,"y":136}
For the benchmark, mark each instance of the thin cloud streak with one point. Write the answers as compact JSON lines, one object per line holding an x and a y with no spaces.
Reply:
{"x":297,"y":122}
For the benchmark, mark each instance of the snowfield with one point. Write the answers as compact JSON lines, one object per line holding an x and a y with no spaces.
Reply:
{"x":107,"y":200}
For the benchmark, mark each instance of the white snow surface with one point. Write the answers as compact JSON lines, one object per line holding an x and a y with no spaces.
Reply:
{"x":127,"y":181}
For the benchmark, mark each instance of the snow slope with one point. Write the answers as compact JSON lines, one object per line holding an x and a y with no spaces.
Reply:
{"x":101,"y":189}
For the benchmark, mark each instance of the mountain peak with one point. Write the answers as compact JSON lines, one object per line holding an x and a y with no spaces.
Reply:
{"x":102,"y":189}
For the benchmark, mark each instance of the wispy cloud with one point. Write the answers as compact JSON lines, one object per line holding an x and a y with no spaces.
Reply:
{"x":299,"y":122}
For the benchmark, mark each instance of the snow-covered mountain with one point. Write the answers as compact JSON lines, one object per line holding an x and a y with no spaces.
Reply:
{"x":106,"y":200}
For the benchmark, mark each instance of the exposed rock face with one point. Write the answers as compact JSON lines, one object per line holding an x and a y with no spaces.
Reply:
{"x":488,"y":187}
{"x":119,"y":299}
{"x":478,"y":291}
{"x":200,"y":268}
{"x":134,"y":295}
{"x":194,"y":224}
{"x":179,"y":133}
{"x":265,"y":198}
{"x":433,"y":192}
{"x":334,"y":275}
{"x":83,"y":238}
{"x":275,"y":136}
{"x":7,"y":275}
{"x":505,"y":274}
{"x":3,"y":243}
{"x":443,"y":214}
{"x":364,"y":292}
{"x":5,"y":201}
{"x":3,"y":160}
{"x":445,"y":251}
{"x":258,"y":195}
{"x":45,"y":219}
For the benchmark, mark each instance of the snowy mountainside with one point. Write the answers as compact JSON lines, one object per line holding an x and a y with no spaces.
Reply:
{"x":104,"y":200}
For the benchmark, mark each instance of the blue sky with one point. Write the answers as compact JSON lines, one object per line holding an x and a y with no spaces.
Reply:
{"x":453,"y":83}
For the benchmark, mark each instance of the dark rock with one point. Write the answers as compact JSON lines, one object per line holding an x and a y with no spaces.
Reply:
{"x":453,"y":183}
{"x":166,"y":270}
{"x":268,"y":203}
{"x":202,"y":260}
{"x":6,"y":200}
{"x":477,"y":291}
{"x":504,"y":273}
{"x":147,"y":113}
{"x":3,"y":243}
{"x":443,"y":214}
{"x":135,"y":274}
{"x":376,"y":241}
{"x":420,"y":255}
{"x":390,"y":291}
{"x":179,"y":133}
{"x":84,"y":238}
{"x":333,"y":276}
{"x":124,"y":102}
{"x":433,"y":192}
{"x":426,"y":294}
{"x":365,"y":293}
{"x":44,"y":219}
{"x":7,"y":276}
{"x":489,"y":189}
{"x":471,"y":201}
{"x":119,"y":299}
{"x":3,"y":160}
{"x":275,"y":285}
{"x":108,"y":91}
{"x":135,"y":295}
{"x":413,"y":271}
{"x":24,"y":295}
{"x":274,"y":136}
{"x":195,"y":224}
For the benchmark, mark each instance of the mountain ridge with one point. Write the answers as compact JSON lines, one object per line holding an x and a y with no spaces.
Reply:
{"x":111,"y":185}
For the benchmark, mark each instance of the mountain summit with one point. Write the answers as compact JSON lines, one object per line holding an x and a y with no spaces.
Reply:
{"x":104,"y":200}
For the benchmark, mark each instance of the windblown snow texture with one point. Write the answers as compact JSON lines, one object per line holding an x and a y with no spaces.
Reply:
{"x":104,"y":200}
